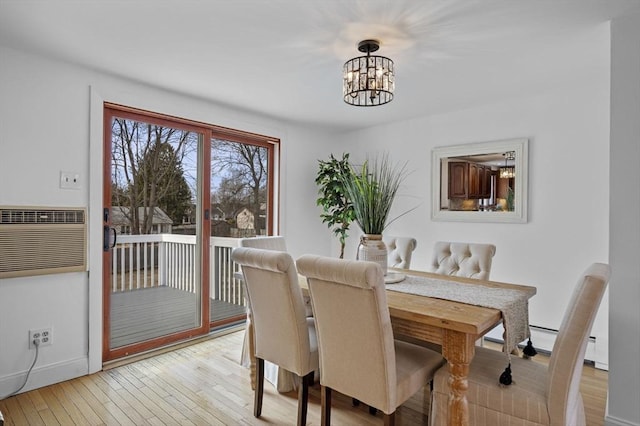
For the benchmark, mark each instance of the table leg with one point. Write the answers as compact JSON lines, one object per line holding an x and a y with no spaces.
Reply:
{"x":458,"y":349}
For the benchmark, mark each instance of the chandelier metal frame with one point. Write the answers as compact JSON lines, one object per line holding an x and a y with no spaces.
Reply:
{"x":368,"y":80}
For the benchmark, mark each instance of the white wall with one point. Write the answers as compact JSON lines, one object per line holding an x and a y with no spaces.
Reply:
{"x":44,"y":129}
{"x":624,"y":318}
{"x":300,"y":222}
{"x":50,"y":120}
{"x":568,"y":131}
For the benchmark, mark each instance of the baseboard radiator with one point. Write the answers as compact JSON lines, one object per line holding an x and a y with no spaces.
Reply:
{"x":42,"y":240}
{"x":543,"y":340}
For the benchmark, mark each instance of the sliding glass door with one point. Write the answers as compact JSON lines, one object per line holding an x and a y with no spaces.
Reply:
{"x":240,"y":208}
{"x":178,"y":196}
{"x":153,"y":268}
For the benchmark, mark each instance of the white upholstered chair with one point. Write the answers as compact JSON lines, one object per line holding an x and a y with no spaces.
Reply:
{"x":399,"y":251}
{"x":470,"y":260}
{"x":274,"y":242}
{"x":462,"y":259}
{"x":283,"y":335}
{"x":358,"y":355}
{"x":540,"y":395}
{"x":283,"y":380}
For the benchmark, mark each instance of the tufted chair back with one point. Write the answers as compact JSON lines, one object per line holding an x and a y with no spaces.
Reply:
{"x":275,"y":242}
{"x":463,"y":259}
{"x":399,"y":250}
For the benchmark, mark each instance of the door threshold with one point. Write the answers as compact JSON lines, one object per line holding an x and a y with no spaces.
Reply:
{"x":218,"y":332}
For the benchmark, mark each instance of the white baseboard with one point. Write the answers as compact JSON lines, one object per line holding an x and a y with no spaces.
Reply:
{"x":44,"y":375}
{"x":613,"y":421}
{"x":543,"y":340}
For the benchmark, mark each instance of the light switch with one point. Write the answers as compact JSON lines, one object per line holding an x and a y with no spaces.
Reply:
{"x":69,"y":180}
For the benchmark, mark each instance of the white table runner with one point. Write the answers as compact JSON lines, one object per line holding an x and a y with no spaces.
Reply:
{"x":514,"y":304}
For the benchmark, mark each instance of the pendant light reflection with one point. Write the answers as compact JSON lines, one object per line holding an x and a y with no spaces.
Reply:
{"x":508,"y":172}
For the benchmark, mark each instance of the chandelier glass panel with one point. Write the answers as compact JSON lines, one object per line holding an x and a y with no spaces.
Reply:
{"x":368,"y":80}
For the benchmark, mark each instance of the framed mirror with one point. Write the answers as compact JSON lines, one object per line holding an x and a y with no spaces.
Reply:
{"x":480,"y":182}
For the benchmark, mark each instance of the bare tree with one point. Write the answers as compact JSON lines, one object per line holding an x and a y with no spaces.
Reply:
{"x":146,"y":168}
{"x":245,"y":166}
{"x":231,"y":193}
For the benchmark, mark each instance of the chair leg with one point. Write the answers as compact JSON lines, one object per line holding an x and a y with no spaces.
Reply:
{"x":303,"y":398}
{"x":257,"y":404}
{"x":390,"y":419}
{"x":325,"y":403}
{"x":356,"y":402}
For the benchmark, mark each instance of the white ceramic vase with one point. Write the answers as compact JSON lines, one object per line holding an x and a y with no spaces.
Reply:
{"x":373,"y":249}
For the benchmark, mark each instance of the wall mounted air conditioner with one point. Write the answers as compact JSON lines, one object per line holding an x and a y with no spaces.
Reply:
{"x":42,"y":240}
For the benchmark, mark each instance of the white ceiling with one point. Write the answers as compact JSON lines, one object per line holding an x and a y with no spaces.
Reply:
{"x":283,"y":58}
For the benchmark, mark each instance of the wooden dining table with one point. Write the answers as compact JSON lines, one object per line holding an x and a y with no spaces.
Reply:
{"x":455,"y":326}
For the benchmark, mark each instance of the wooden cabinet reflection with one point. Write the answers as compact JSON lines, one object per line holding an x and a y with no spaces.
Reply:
{"x":475,"y":186}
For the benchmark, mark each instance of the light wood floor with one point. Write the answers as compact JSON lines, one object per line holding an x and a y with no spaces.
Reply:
{"x":203,"y":384}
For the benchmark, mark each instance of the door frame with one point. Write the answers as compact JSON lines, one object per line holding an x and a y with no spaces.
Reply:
{"x":98,"y":95}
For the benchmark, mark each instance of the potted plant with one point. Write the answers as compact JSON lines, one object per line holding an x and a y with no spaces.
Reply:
{"x":371,"y":189}
{"x":510,"y":198}
{"x":337,"y":211}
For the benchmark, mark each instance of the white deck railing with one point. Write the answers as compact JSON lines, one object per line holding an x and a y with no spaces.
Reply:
{"x":143,"y":261}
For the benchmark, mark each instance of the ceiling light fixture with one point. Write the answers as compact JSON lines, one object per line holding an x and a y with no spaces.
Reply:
{"x":508,"y":172}
{"x":368,"y":80}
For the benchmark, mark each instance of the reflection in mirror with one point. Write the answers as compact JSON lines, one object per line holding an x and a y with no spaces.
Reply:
{"x":480,"y":182}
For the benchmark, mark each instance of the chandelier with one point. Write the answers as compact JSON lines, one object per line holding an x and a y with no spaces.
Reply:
{"x":368,"y":80}
{"x":508,"y":172}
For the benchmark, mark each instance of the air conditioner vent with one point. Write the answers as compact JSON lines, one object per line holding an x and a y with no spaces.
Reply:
{"x":20,"y":216}
{"x":36,"y":241}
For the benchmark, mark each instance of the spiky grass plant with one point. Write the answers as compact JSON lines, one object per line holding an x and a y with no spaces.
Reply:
{"x":371,"y":188}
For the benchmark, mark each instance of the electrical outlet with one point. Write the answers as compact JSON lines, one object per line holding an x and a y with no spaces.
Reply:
{"x":70,"y":180}
{"x":44,"y":335}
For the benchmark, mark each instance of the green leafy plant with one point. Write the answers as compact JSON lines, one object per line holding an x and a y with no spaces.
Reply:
{"x":337,"y":210}
{"x":371,"y":189}
{"x":510,"y":198}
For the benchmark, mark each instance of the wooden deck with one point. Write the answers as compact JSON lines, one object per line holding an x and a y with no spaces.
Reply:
{"x":144,"y":314}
